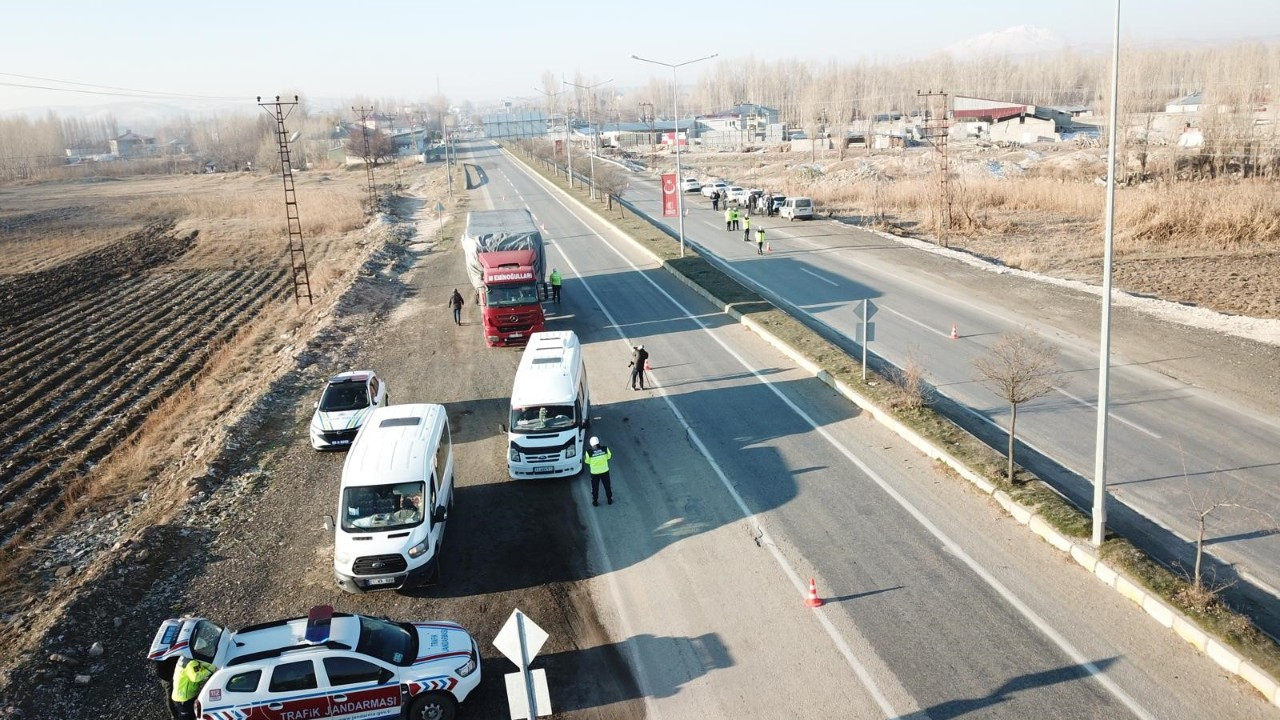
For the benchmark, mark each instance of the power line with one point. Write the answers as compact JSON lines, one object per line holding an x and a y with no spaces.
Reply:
{"x":102,"y":89}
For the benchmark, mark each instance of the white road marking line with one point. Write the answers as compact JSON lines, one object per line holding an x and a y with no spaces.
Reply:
{"x":1111,"y":415}
{"x":949,"y":544}
{"x":912,"y":320}
{"x":820,"y":277}
{"x":841,"y":645}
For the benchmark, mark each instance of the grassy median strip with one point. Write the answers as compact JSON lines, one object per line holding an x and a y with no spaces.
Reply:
{"x":1206,"y":609}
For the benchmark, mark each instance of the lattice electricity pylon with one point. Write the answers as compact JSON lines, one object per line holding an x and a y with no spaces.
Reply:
{"x":368,"y":157}
{"x":937,"y":129}
{"x":297,"y":252}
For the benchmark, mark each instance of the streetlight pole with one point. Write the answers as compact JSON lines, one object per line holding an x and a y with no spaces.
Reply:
{"x":552,"y":97}
{"x":675,"y":136}
{"x":1104,"y":351}
{"x":594,"y":135}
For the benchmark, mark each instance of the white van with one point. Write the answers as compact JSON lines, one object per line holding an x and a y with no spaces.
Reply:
{"x":796,"y":207}
{"x":394,"y":499}
{"x":550,"y":408}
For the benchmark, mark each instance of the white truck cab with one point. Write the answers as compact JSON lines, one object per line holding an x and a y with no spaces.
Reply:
{"x":394,"y":499}
{"x":550,"y":408}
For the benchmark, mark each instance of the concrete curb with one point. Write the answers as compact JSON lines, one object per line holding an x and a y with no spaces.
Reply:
{"x":1167,"y":615}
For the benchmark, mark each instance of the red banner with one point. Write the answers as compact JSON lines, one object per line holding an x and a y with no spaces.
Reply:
{"x":670,"y":196}
{"x":559,"y":147}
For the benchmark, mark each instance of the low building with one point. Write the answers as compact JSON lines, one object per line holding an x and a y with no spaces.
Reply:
{"x":1186,"y":104}
{"x":750,"y":122}
{"x":131,"y":144}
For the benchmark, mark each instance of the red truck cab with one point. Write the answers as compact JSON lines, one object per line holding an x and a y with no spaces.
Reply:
{"x":510,"y":297}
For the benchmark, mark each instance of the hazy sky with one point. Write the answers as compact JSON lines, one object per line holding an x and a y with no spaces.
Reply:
{"x":488,"y":50}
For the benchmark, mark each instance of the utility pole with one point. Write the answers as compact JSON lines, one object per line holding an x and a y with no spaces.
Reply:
{"x":675,"y":136}
{"x":647,"y":116}
{"x":1104,"y":351}
{"x":568,"y":138}
{"x":591,"y":100}
{"x":297,"y":252}
{"x":936,"y":131}
{"x":368,"y":156}
{"x":395,"y":158}
{"x":551,"y":100}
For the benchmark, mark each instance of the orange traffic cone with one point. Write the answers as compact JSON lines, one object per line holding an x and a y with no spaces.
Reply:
{"x":768,"y":247}
{"x":954,"y":335}
{"x":813,"y":600}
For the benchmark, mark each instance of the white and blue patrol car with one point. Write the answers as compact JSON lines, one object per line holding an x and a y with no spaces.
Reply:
{"x":325,"y":665}
{"x":347,"y":400}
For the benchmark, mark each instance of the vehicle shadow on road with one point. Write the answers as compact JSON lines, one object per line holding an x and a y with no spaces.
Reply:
{"x":598,"y":677}
{"x":1006,"y":691}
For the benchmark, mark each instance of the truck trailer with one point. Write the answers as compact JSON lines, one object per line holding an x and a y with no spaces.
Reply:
{"x":507,"y":265}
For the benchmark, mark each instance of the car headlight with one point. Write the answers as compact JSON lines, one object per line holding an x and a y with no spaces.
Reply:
{"x":342,"y":557}
{"x":418,"y":549}
{"x":513,"y":455}
{"x":571,"y":451}
{"x":469,"y":668}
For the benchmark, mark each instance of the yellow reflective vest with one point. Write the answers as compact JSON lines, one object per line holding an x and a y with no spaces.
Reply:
{"x":598,"y":460}
{"x":189,"y":678}
{"x":555,"y":278}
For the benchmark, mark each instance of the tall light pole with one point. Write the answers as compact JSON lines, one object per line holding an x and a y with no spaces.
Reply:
{"x":1104,"y":351}
{"x":552,"y":97}
{"x":591,"y":101}
{"x":675,"y":137}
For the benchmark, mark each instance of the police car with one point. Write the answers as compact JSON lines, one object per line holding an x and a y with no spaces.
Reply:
{"x":325,"y":665}
{"x":347,"y":400}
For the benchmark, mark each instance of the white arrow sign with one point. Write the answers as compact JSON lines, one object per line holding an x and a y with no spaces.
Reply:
{"x":519,"y":640}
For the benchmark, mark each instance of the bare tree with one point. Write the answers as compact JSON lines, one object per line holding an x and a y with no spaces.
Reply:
{"x":1019,"y":368}
{"x":611,"y":181}
{"x":1203,"y":506}
{"x":380,"y":145}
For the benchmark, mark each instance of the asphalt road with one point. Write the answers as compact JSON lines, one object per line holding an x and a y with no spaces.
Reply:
{"x":739,"y":477}
{"x":1189,"y":425}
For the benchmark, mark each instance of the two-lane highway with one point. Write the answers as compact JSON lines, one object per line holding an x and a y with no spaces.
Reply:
{"x":1173,"y":444}
{"x":740,"y":476}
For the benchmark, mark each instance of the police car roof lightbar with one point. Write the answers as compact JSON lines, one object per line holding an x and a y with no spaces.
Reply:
{"x":319,"y":620}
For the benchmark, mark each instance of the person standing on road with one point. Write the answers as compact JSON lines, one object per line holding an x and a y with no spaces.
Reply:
{"x":746,"y":229}
{"x":188,"y":678}
{"x":598,"y":461}
{"x":455,"y":303}
{"x":736,"y":218}
{"x":639,"y":360}
{"x":728,"y":219}
{"x":760,"y":240}
{"x":555,"y":284}
{"x":715,"y":199}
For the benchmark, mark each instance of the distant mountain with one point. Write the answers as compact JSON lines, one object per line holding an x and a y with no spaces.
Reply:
{"x":1017,"y":40}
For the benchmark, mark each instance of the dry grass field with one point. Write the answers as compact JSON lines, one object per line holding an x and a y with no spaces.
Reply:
{"x":1214,"y":243}
{"x":146,"y":315}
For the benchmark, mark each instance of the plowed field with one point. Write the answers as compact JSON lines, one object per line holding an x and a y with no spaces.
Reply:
{"x":88,"y":347}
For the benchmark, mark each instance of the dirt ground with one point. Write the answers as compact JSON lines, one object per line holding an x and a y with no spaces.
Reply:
{"x":250,"y":545}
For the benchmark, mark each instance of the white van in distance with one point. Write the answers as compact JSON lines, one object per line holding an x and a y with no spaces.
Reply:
{"x":394,"y":499}
{"x":550,"y":408}
{"x":796,"y":207}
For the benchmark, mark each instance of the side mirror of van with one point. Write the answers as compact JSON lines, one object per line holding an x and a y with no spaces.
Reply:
{"x":440,"y":515}
{"x":315,"y":405}
{"x":502,"y":427}
{"x":328,"y":523}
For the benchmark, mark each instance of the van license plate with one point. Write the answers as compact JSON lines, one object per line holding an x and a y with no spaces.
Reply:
{"x":384,"y":581}
{"x":516,"y":335}
{"x":544,"y":469}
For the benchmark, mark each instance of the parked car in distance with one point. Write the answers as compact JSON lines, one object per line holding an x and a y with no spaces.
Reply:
{"x":714,"y":185}
{"x":737,"y":195}
{"x":690,"y":184}
{"x":347,"y":400}
{"x":778,"y":201}
{"x":796,"y":207}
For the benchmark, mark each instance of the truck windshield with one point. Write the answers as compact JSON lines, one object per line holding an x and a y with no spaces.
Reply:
{"x":541,"y":418}
{"x":396,"y":506}
{"x":511,"y":295}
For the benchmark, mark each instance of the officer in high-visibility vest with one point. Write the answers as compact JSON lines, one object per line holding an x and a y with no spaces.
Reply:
{"x":746,"y":229}
{"x":555,"y":285}
{"x":760,"y":241}
{"x":188,"y":678}
{"x":598,"y":462}
{"x":728,"y":219}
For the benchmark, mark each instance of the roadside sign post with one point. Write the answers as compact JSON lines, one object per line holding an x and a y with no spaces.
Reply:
{"x":866,"y":329}
{"x":520,"y":640}
{"x":440,"y":213}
